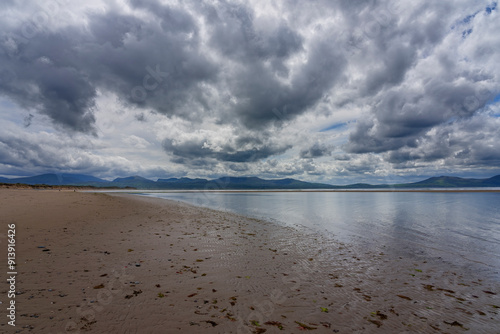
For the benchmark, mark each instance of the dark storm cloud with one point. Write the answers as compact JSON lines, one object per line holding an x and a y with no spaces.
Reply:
{"x":237,"y":167}
{"x":234,"y":32}
{"x":195,"y":149}
{"x":263,"y":96}
{"x":317,"y":150}
{"x":53,"y":86}
{"x":113,"y":28}
{"x":402,"y":116}
{"x":140,"y":117}
{"x":155,"y":62}
{"x":27,"y":120}
{"x":469,"y":142}
{"x":172,"y":19}
{"x":158,"y":63}
{"x":396,"y":63}
{"x":266,"y":100}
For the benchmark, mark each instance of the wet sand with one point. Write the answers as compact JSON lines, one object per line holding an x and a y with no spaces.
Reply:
{"x":118,"y":263}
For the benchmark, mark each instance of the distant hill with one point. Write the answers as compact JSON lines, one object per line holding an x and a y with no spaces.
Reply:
{"x":493,"y":181}
{"x":139,"y":182}
{"x":258,"y":183}
{"x":182,"y":183}
{"x":134,"y":182}
{"x":56,"y":179}
{"x":454,"y":182}
{"x":229,"y":183}
{"x":242,"y":183}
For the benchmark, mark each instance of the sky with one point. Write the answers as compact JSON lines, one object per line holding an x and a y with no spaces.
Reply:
{"x":329,"y":91}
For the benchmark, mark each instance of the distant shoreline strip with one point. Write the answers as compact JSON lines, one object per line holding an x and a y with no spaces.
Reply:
{"x":309,"y":191}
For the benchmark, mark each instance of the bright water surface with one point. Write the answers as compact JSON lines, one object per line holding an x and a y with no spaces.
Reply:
{"x":461,"y":228}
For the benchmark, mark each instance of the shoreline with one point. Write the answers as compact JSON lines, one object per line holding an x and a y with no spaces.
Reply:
{"x":222,"y":190}
{"x":121,"y":263}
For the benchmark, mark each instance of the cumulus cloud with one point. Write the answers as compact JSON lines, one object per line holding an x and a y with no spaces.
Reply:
{"x":317,"y":150}
{"x":241,"y":87}
{"x":469,"y":143}
{"x":226,"y":149}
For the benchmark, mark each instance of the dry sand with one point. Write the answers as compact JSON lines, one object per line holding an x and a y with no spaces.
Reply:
{"x":127,"y":264}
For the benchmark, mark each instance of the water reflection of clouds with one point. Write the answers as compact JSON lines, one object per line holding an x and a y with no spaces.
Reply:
{"x":458,"y":226}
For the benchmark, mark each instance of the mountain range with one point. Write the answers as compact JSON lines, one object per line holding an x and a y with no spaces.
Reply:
{"x":235,"y":183}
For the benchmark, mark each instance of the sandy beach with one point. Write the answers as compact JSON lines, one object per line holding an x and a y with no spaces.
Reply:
{"x":119,"y":263}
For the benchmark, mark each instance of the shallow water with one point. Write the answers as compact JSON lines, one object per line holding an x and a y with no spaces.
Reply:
{"x":461,"y":228}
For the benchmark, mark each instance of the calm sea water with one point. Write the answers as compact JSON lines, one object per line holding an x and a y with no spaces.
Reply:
{"x":461,"y":228}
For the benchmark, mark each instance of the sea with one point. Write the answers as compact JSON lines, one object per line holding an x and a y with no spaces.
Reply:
{"x":461,"y":228}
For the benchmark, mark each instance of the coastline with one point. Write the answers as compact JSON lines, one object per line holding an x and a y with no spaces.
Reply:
{"x":120,"y":263}
{"x":222,"y":189}
{"x":446,"y":190}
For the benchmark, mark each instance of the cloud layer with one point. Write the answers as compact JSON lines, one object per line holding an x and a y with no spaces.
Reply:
{"x":328,"y":91}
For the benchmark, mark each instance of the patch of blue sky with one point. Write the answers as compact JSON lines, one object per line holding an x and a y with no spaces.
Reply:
{"x":466,"y":33}
{"x":465,"y":21}
{"x":495,"y":101}
{"x":7,"y":104}
{"x":451,"y":120}
{"x":8,"y":111}
{"x":334,"y":127}
{"x":491,"y":8}
{"x":469,"y":18}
